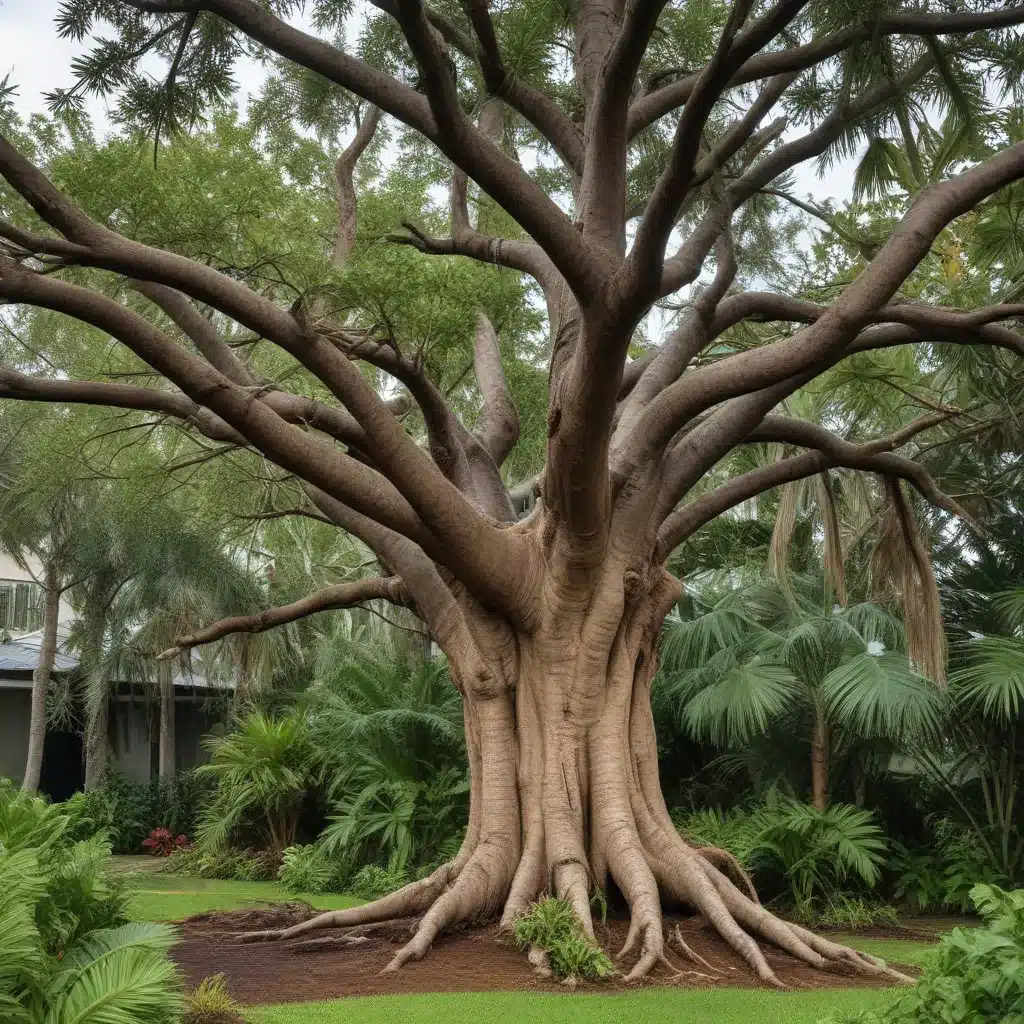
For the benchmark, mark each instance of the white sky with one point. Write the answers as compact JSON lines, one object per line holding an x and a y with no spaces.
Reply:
{"x":39,"y":62}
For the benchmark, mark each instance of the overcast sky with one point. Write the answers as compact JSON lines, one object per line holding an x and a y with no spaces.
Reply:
{"x":39,"y":62}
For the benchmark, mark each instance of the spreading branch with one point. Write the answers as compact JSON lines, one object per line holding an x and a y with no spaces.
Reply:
{"x":341,"y":595}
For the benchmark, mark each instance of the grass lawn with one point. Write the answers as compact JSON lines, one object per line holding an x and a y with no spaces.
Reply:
{"x":159,"y":897}
{"x":651,"y":1006}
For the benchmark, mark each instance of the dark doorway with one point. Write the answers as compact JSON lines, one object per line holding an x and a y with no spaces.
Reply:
{"x":63,"y":767}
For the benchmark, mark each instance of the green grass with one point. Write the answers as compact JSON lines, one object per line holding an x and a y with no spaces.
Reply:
{"x":652,"y":1006}
{"x":159,"y":897}
{"x":897,"y":951}
{"x":175,"y":897}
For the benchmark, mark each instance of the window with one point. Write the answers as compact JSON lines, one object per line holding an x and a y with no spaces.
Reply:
{"x":20,"y":607}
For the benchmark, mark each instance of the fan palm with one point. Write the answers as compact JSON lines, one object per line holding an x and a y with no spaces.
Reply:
{"x":756,"y":655}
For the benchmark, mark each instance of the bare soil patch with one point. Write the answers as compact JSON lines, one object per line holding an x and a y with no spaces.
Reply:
{"x":472,"y":959}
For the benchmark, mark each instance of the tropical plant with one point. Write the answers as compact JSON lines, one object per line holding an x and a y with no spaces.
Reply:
{"x":391,"y":744}
{"x":67,"y":953}
{"x":815,"y":853}
{"x":975,"y":975}
{"x":306,"y":869}
{"x":263,"y":769}
{"x":551,"y":926}
{"x":371,"y":882}
{"x":818,"y":851}
{"x":755,"y":656}
{"x":210,"y":1002}
{"x":162,"y":843}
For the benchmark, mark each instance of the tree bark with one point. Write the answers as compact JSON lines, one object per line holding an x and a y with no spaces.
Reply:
{"x":565,"y":798}
{"x":97,"y":746}
{"x":165,"y":679}
{"x":41,"y":684}
{"x":819,"y":759}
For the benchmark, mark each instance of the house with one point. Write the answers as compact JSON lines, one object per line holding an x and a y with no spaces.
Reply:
{"x":133,"y":712}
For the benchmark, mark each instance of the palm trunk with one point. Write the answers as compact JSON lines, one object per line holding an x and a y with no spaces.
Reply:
{"x":165,"y":677}
{"x":41,"y":685}
{"x":97,"y":746}
{"x":819,"y":760}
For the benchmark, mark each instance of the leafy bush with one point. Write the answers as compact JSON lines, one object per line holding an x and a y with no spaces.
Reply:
{"x":129,"y":811}
{"x":66,"y":953}
{"x":392,"y":746}
{"x":842,"y":912}
{"x":262,"y":771}
{"x":976,"y":975}
{"x":817,"y":853}
{"x":162,"y":844}
{"x":226,"y":865}
{"x":371,"y":882}
{"x":76,"y":897}
{"x":211,"y":1003}
{"x":551,"y":925}
{"x":306,"y":869}
{"x":943,"y":876}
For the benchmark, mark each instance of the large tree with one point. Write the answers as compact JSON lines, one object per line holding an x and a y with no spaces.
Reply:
{"x":613,"y":150}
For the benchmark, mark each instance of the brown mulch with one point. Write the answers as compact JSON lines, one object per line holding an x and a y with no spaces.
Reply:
{"x":467,"y":960}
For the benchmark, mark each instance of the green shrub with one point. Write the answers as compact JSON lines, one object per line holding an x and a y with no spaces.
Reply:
{"x":211,"y":1003}
{"x":371,"y":882}
{"x":77,"y":896}
{"x":817,"y":853}
{"x":976,"y":976}
{"x":262,"y":770}
{"x":228,"y":865}
{"x":552,"y":925}
{"x":942,"y":877}
{"x":128,"y":811}
{"x":66,"y":952}
{"x":842,"y":912}
{"x":184,"y":862}
{"x":305,"y":869}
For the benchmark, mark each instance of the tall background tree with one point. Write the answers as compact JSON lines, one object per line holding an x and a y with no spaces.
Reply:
{"x":613,"y":160}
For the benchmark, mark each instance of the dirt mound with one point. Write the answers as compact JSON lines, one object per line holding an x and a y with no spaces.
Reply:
{"x":251,"y":919}
{"x":467,"y":960}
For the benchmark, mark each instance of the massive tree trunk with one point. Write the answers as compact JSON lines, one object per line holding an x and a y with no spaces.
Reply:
{"x":565,"y":796}
{"x":165,"y":680}
{"x":41,"y":684}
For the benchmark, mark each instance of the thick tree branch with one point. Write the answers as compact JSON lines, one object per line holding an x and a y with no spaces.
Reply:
{"x":838,"y":325}
{"x":344,"y":172}
{"x":829,"y":452}
{"x":684,"y":266}
{"x":497,"y":428}
{"x":341,"y":595}
{"x":656,"y":104}
{"x":446,"y":512}
{"x":540,"y":110}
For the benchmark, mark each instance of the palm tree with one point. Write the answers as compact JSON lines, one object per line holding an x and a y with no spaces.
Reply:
{"x":756,"y":656}
{"x":174,"y":578}
{"x":45,"y":529}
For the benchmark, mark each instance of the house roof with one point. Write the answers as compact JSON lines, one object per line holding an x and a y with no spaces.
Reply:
{"x":21,"y":656}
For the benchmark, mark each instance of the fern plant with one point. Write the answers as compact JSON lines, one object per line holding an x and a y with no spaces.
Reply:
{"x":67,"y":955}
{"x":552,"y":926}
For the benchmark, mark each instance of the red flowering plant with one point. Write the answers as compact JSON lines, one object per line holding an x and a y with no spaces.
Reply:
{"x":162,"y":844}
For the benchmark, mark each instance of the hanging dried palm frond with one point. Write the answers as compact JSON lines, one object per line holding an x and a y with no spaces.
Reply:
{"x":835,"y":570}
{"x":782,"y":535}
{"x":901,"y":568}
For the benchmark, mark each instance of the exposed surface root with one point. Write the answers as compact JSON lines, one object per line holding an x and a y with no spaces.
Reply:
{"x":409,"y":901}
{"x":677,"y":938}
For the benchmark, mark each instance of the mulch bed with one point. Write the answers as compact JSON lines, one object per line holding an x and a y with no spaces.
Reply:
{"x":467,"y":960}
